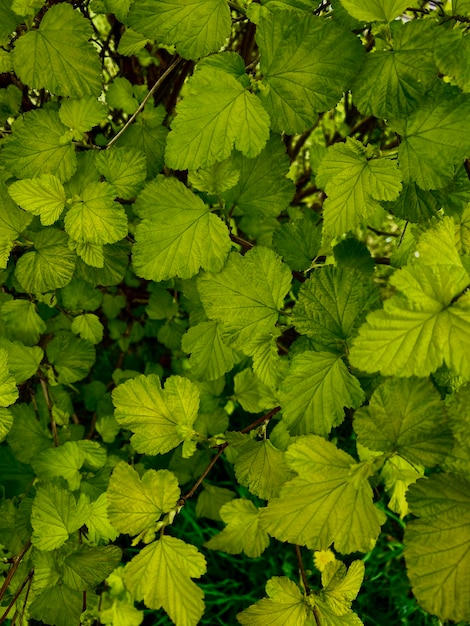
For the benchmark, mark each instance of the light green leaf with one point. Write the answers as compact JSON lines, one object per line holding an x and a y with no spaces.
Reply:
{"x":65,"y":461}
{"x":285,"y":606}
{"x":398,"y":474}
{"x":124,"y":168}
{"x":246,"y":296}
{"x":406,"y":416}
{"x":435,"y":138}
{"x":341,"y":585}
{"x":58,"y":56}
{"x":306,"y":63}
{"x":392,"y":83}
{"x":161,"y":576}
{"x":121,"y":96}
{"x":12,"y":219}
{"x":376,"y":10}
{"x":261,"y":467}
{"x":216,"y":178}
{"x":437,"y":546}
{"x":330,"y":501}
{"x":6,"y":422}
{"x":89,"y":327}
{"x":96,"y":218}
{"x":71,"y":357}
{"x":22,"y":322}
{"x":161,"y":419}
{"x":354,"y":183}
{"x":210,"y":357}
{"x":81,"y":114}
{"x":43,"y":196}
{"x":242,"y":533}
{"x":250,"y":392}
{"x":207,"y":123}
{"x":131,"y":42}
{"x":428,"y":325}
{"x":100,"y":530}
{"x":55,"y":516}
{"x":136,"y":504}
{"x":315,"y":391}
{"x":263,"y":188}
{"x":23,"y":361}
{"x":331,"y":305}
{"x":195,"y":27}
{"x":178,"y":234}
{"x":39,"y":144}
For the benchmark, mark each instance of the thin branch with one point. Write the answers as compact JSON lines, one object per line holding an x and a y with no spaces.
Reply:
{"x":246,"y":245}
{"x":383,"y":233}
{"x":222,"y":447}
{"x":17,"y":594}
{"x":144,"y":102}
{"x":15,"y":563}
{"x":303,"y":575}
{"x":236,"y":7}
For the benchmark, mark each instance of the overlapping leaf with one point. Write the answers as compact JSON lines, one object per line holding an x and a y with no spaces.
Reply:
{"x":210,"y":357}
{"x":285,"y":606}
{"x":246,"y":296}
{"x":160,"y":418}
{"x":376,"y":10}
{"x":306,"y":63}
{"x":242,"y":533}
{"x":58,"y":56}
{"x":8,"y":389}
{"x":354,"y":183}
{"x":207,"y":123}
{"x":71,"y":357}
{"x":406,"y":416}
{"x":43,"y":196}
{"x":161,"y":576}
{"x":315,"y":391}
{"x":178,"y":234}
{"x":329,"y":501}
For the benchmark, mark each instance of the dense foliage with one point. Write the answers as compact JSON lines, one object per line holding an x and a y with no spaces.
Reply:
{"x":234,"y":311}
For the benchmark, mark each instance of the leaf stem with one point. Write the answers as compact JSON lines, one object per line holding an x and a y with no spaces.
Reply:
{"x":45,"y":391}
{"x":236,"y":7}
{"x":303,"y":574}
{"x":16,"y":560}
{"x":17,"y":594}
{"x":144,"y":102}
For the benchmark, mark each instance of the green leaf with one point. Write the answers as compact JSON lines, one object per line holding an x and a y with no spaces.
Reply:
{"x":351,"y":253}
{"x":22,"y":322}
{"x":341,"y":585}
{"x":98,"y":525}
{"x":55,"y":516}
{"x":58,"y":56}
{"x":298,"y":242}
{"x":124,"y":168}
{"x":210,"y":501}
{"x":246,"y":296}
{"x":437,"y":546}
{"x":285,"y":606}
{"x":71,"y":357}
{"x":315,"y":391}
{"x":8,"y":22}
{"x":89,"y":327}
{"x":408,"y":417}
{"x":416,"y":332}
{"x":195,"y":27}
{"x":121,"y":96}
{"x":50,"y":266}
{"x":263,"y":188}
{"x":85,"y":566}
{"x":415,"y":204}
{"x":6,"y":422}
{"x":306,"y":63}
{"x":43,"y":196}
{"x":455,"y":46}
{"x":136,"y":504}
{"x":113,"y":259}
{"x":178,"y":234}
{"x":354,"y":184}
{"x":435,"y":138}
{"x":39,"y":144}
{"x":216,"y":178}
{"x":161,"y":576}
{"x":329,"y":501}
{"x":65,"y":460}
{"x":81,"y":114}
{"x":79,"y":296}
{"x":207,"y":123}
{"x":148,"y":135}
{"x":12,"y":219}
{"x":23,"y":361}
{"x":210,"y":357}
{"x":376,"y":10}
{"x":392,"y":83}
{"x":261,"y":467}
{"x":131,"y":42}
{"x":96,"y":218}
{"x":242,"y":533}
{"x":331,"y":305}
{"x":161,"y":419}
{"x":8,"y":389}
{"x":58,"y":605}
